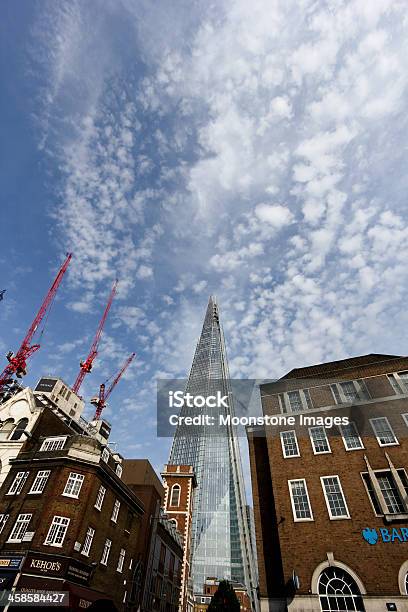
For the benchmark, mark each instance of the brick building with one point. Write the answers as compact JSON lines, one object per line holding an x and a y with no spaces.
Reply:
{"x":180,"y":482}
{"x":331,"y":504}
{"x":159,"y":551}
{"x":67,"y":520}
{"x":202,"y":600}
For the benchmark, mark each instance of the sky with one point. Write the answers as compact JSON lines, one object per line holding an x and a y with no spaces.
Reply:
{"x":255,"y":150}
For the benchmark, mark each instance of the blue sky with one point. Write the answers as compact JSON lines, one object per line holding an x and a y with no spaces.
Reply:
{"x":254,"y":150}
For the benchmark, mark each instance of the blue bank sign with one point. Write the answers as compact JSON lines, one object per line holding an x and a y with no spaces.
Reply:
{"x":372,"y":536}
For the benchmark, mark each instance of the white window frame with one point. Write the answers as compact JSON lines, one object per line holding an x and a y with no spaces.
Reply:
{"x":59,"y":527}
{"x":101,"y":494}
{"x":400,"y":382}
{"x":115,"y":511}
{"x":121,"y":560}
{"x":405,"y":418}
{"x":20,"y":526}
{"x":3,"y":520}
{"x":312,"y":442}
{"x":331,"y":516}
{"x":18,"y":483}
{"x":357,"y":434}
{"x":285,"y":455}
{"x":360,"y":389}
{"x":295,"y":518}
{"x":56,"y":441}
{"x":73,"y":481}
{"x":284,"y":397}
{"x":175,"y":487}
{"x":106,"y":552}
{"x":105,"y":455}
{"x":381,"y":418}
{"x":89,"y":536}
{"x":41,"y":478}
{"x":119,"y":470}
{"x":376,"y":473}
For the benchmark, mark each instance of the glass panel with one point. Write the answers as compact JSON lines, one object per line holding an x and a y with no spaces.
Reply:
{"x":300,"y":499}
{"x":295,"y":401}
{"x":390,"y":493}
{"x":319,"y":440}
{"x":383,"y":431}
{"x":334,"y":495}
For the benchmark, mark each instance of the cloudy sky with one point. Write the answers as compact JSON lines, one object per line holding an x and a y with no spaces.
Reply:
{"x":256,"y":150}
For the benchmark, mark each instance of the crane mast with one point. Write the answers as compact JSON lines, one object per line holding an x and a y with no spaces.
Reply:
{"x":100,"y":402}
{"x":18,"y":361}
{"x":86,"y":366}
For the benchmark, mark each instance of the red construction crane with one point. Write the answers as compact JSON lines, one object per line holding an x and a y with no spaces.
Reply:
{"x":100,"y":402}
{"x":86,"y":366}
{"x":18,"y":362}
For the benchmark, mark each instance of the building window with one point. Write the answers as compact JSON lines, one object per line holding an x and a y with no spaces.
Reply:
{"x":100,"y":497}
{"x":18,"y":483}
{"x":105,"y":455}
{"x":119,"y":469}
{"x":121,"y":560}
{"x":383,"y":431}
{"x":405,"y":417}
{"x":299,"y":497}
{"x":57,"y":531}
{"x":53,"y":444}
{"x":175,"y":495}
{"x":20,"y":527}
{"x":295,"y":401}
{"x":289,"y":443}
{"x":406,"y":584}
{"x":318,"y":438}
{"x":350,"y":391}
{"x":88,"y":541}
{"x":115,"y":511}
{"x":397,"y":388}
{"x":403,"y":376}
{"x":390,"y":494}
{"x":40,"y":481}
{"x":3,"y":520}
{"x":106,"y":551}
{"x":174,"y":521}
{"x":18,"y":431}
{"x":339,"y":591}
{"x":351,"y":437}
{"x":73,"y":485}
{"x":335,"y":500}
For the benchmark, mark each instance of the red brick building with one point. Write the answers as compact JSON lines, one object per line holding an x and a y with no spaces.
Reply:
{"x":67,"y":520}
{"x":331,"y":503}
{"x":180,"y":482}
{"x":159,"y":550}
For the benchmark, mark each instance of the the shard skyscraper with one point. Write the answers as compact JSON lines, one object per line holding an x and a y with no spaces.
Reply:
{"x":221,"y":538}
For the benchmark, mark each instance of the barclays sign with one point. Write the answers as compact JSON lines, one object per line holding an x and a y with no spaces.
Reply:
{"x":372,"y":536}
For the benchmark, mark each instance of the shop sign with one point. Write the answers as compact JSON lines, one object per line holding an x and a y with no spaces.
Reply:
{"x":57,"y":566}
{"x":11,"y":563}
{"x":394,"y":534}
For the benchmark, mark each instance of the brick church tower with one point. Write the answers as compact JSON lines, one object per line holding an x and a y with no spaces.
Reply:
{"x":180,"y":482}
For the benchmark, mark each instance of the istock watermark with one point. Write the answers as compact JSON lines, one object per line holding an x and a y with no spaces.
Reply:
{"x":216,"y":407}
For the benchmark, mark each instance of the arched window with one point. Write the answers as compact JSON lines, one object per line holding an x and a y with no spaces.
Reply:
{"x":175,"y":495}
{"x":406,"y":584}
{"x":174,"y":521}
{"x":18,"y":431}
{"x":339,"y":591}
{"x":6,"y":428}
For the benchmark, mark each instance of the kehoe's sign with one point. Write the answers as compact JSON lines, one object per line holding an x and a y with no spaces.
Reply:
{"x":58,"y":567}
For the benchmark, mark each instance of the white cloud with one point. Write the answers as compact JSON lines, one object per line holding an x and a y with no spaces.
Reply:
{"x":274,"y":214}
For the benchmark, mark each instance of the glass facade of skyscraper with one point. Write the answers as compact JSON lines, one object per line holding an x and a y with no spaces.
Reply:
{"x":221,"y":542}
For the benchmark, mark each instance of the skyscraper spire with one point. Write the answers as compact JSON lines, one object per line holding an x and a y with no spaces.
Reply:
{"x":221,"y":545}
